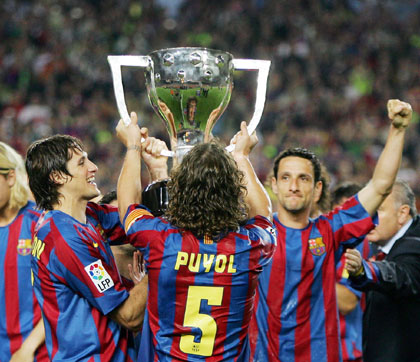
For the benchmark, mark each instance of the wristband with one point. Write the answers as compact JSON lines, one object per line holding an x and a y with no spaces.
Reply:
{"x":361,"y":271}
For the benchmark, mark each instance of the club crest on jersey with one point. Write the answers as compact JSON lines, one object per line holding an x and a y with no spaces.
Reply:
{"x":101,"y":232}
{"x":99,"y":276}
{"x":24,"y":246}
{"x":316,"y":246}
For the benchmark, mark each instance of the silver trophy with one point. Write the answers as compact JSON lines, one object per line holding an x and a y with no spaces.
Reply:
{"x":189,"y":88}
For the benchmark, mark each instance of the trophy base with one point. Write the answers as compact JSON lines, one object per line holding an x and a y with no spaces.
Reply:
{"x":155,"y":197}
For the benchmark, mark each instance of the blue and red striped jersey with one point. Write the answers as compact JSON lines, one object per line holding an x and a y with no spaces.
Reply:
{"x":19,"y":310}
{"x":201,"y":292}
{"x":295,"y":316}
{"x":77,"y":284}
{"x":351,"y":323}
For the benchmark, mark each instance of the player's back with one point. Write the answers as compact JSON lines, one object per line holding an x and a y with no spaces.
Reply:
{"x":201,"y":292}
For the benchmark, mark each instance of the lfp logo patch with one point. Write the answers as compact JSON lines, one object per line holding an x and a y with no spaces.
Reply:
{"x":99,"y":276}
{"x":316,"y":246}
{"x":24,"y":246}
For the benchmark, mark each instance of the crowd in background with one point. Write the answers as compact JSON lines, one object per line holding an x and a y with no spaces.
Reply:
{"x":334,"y":66}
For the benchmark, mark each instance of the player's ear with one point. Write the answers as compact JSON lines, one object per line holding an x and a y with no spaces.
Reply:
{"x":58,"y":178}
{"x":274,"y":184}
{"x":403,"y":214}
{"x":318,"y":191}
{"x":11,"y":178}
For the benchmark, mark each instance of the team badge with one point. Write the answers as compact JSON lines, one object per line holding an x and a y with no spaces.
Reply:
{"x":316,"y":246}
{"x":24,"y":246}
{"x":101,"y":231}
{"x":99,"y":276}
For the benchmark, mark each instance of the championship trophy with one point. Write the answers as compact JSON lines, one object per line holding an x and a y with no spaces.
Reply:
{"x":189,"y":88}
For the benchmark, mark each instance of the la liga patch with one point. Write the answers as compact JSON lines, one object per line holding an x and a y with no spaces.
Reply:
{"x":99,"y":276}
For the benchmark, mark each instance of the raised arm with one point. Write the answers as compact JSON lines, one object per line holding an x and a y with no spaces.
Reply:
{"x":257,"y":198}
{"x":129,"y":183}
{"x":380,"y":185}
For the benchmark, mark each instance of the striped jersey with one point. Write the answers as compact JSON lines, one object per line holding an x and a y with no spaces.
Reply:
{"x":351,"y":323}
{"x":77,"y":284}
{"x":19,"y":310}
{"x":201,"y":292}
{"x":295,"y":316}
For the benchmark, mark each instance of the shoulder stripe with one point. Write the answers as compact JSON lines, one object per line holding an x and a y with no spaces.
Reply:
{"x":133,"y":216}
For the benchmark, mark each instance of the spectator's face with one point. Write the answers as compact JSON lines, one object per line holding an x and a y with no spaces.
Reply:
{"x":81,"y":186}
{"x":6,"y":184}
{"x":388,"y":222}
{"x":295,"y":187}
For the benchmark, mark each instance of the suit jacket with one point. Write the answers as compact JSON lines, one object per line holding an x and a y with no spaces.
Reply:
{"x":391,"y":321}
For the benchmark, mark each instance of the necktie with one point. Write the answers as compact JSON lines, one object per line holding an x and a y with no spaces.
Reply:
{"x":380,"y":256}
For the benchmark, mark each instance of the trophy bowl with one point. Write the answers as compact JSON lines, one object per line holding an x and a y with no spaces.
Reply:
{"x":189,"y":88}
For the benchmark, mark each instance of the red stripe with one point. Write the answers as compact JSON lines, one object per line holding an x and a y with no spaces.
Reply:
{"x":303,"y":310}
{"x":155,"y":263}
{"x":275,"y":293}
{"x":50,"y":300}
{"x":184,"y":278}
{"x":11,"y":286}
{"x":251,"y":298}
{"x":221,"y":314}
{"x":330,"y":299}
{"x":343,"y":327}
{"x":253,"y":327}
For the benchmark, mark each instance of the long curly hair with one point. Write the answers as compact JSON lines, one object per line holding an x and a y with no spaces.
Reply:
{"x":207,"y":193}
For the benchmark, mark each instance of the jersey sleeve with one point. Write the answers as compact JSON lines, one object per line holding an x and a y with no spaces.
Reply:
{"x":87,"y":269}
{"x":263,"y":233}
{"x":109,"y":221}
{"x":142,"y":227}
{"x":350,"y":223}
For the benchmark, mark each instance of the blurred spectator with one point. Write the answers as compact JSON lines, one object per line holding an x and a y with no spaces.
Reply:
{"x":331,"y":66}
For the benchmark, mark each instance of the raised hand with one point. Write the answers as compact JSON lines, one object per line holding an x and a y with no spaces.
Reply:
{"x":399,"y":112}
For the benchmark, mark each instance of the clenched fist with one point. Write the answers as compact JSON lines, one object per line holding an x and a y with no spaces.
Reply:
{"x":399,"y":112}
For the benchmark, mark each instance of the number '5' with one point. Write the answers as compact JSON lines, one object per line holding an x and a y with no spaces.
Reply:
{"x":193,"y":318}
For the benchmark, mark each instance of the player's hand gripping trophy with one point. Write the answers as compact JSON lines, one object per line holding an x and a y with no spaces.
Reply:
{"x":189,"y":88}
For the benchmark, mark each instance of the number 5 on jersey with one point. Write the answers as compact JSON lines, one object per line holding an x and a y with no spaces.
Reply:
{"x":193,"y":318}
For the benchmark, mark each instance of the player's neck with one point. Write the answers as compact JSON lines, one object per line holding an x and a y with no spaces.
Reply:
{"x":7,"y":215}
{"x":293,"y":220}
{"x":76,"y":208}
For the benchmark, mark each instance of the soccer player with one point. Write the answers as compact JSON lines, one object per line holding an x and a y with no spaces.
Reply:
{"x":87,"y":311}
{"x":295,"y":314}
{"x":21,"y":328}
{"x":204,"y":257}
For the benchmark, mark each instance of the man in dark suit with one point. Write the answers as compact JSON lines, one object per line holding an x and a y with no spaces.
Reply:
{"x":392,"y":282}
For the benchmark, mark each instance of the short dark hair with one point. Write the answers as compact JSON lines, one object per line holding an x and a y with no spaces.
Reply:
{"x":345,"y":189}
{"x":108,"y":197}
{"x":44,"y":157}
{"x":207,"y":192}
{"x":302,"y":153}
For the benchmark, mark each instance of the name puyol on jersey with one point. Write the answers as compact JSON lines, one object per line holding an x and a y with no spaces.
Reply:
{"x":99,"y":276}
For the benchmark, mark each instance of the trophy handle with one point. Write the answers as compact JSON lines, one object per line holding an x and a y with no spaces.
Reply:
{"x":116,"y":62}
{"x":263,"y":67}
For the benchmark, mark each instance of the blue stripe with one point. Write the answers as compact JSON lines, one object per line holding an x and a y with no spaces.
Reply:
{"x":4,"y":340}
{"x":317,"y":313}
